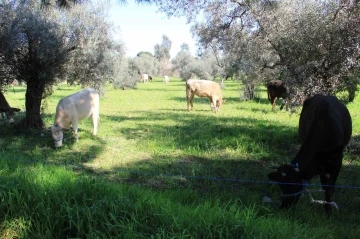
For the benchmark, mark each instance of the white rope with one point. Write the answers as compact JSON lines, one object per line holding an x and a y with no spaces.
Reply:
{"x":266,"y":199}
{"x":312,"y":200}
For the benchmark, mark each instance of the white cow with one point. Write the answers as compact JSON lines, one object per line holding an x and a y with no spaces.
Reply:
{"x":166,"y":79}
{"x":73,"y":108}
{"x":204,"y":88}
{"x":144,"y":78}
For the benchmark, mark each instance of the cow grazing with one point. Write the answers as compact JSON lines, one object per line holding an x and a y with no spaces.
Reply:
{"x":144,"y":78}
{"x":276,"y":89}
{"x":150,"y":78}
{"x":166,"y":79}
{"x":73,"y":108}
{"x":204,"y":88}
{"x":7,"y":110}
{"x":324,"y":130}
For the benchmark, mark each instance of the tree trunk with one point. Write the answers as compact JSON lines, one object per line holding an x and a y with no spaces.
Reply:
{"x":34,"y":93}
{"x":249,"y":91}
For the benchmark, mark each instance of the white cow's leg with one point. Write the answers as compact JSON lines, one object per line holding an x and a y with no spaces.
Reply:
{"x":76,"y":132}
{"x":95,"y":119}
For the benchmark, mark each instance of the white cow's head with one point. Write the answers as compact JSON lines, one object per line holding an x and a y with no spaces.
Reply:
{"x":10,"y":113}
{"x":57,"y":134}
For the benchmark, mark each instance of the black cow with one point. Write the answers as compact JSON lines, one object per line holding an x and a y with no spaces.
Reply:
{"x":276,"y":89}
{"x":324,"y":129}
{"x":5,"y":108}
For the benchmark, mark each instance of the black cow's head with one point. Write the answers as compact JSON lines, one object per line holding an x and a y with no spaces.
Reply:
{"x":290,"y":183}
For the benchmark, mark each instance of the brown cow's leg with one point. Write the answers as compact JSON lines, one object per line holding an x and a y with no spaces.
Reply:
{"x":273,"y":102}
{"x":190,"y":98}
{"x":212,"y":106}
{"x":282,"y":105}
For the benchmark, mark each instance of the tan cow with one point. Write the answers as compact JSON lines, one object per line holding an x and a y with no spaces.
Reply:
{"x":73,"y":108}
{"x":166,"y":79}
{"x":6,"y":109}
{"x":204,"y":88}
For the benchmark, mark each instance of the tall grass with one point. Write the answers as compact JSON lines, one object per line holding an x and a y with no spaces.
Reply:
{"x":157,"y":171}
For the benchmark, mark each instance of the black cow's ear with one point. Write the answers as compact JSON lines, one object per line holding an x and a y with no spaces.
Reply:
{"x":274,"y":176}
{"x":16,"y":109}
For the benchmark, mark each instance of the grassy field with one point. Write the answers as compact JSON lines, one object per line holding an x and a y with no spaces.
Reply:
{"x":157,"y":171}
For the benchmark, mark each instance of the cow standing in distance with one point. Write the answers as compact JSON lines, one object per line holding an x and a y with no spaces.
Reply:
{"x":166,"y":79}
{"x":73,"y":108}
{"x":204,"y":88}
{"x":276,"y":89}
{"x":324,"y":130}
{"x":144,"y":78}
{"x":7,"y":110}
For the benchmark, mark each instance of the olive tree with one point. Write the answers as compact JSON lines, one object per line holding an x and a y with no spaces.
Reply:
{"x":162,"y":54}
{"x":125,"y":72}
{"x":146,"y":63}
{"x":182,"y":62}
{"x":314,"y":45}
{"x":39,"y":46}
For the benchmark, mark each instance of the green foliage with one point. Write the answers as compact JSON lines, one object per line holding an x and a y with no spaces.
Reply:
{"x":42,"y":46}
{"x":146,"y":64}
{"x":126,"y":74}
{"x":311,"y":45}
{"x":157,"y":171}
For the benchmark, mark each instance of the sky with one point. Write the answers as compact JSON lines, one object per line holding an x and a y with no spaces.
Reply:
{"x":142,"y":27}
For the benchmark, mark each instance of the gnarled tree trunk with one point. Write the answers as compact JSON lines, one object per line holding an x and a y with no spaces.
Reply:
{"x":34,"y":93}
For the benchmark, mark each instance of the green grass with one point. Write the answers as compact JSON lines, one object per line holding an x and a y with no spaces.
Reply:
{"x":157,"y":171}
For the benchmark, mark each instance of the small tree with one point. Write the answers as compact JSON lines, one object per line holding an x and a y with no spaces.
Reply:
{"x":183,"y":62}
{"x":162,"y":54}
{"x":126,"y":75}
{"x":146,"y":64}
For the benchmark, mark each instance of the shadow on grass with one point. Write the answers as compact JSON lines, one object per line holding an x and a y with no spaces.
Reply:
{"x":204,"y":167}
{"x":37,"y":146}
{"x":266,"y":143}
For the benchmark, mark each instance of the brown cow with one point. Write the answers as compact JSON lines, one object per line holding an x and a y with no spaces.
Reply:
{"x":5,"y":108}
{"x":276,"y":89}
{"x":204,"y":88}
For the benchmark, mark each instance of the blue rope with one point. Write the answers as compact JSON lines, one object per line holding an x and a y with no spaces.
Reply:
{"x":208,"y":177}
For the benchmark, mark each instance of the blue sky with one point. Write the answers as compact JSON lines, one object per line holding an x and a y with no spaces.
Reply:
{"x":142,"y":27}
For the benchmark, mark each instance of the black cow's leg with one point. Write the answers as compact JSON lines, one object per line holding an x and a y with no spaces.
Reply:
{"x":328,"y":191}
{"x":328,"y":184}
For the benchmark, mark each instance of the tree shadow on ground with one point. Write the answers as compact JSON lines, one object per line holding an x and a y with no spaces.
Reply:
{"x":37,"y":146}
